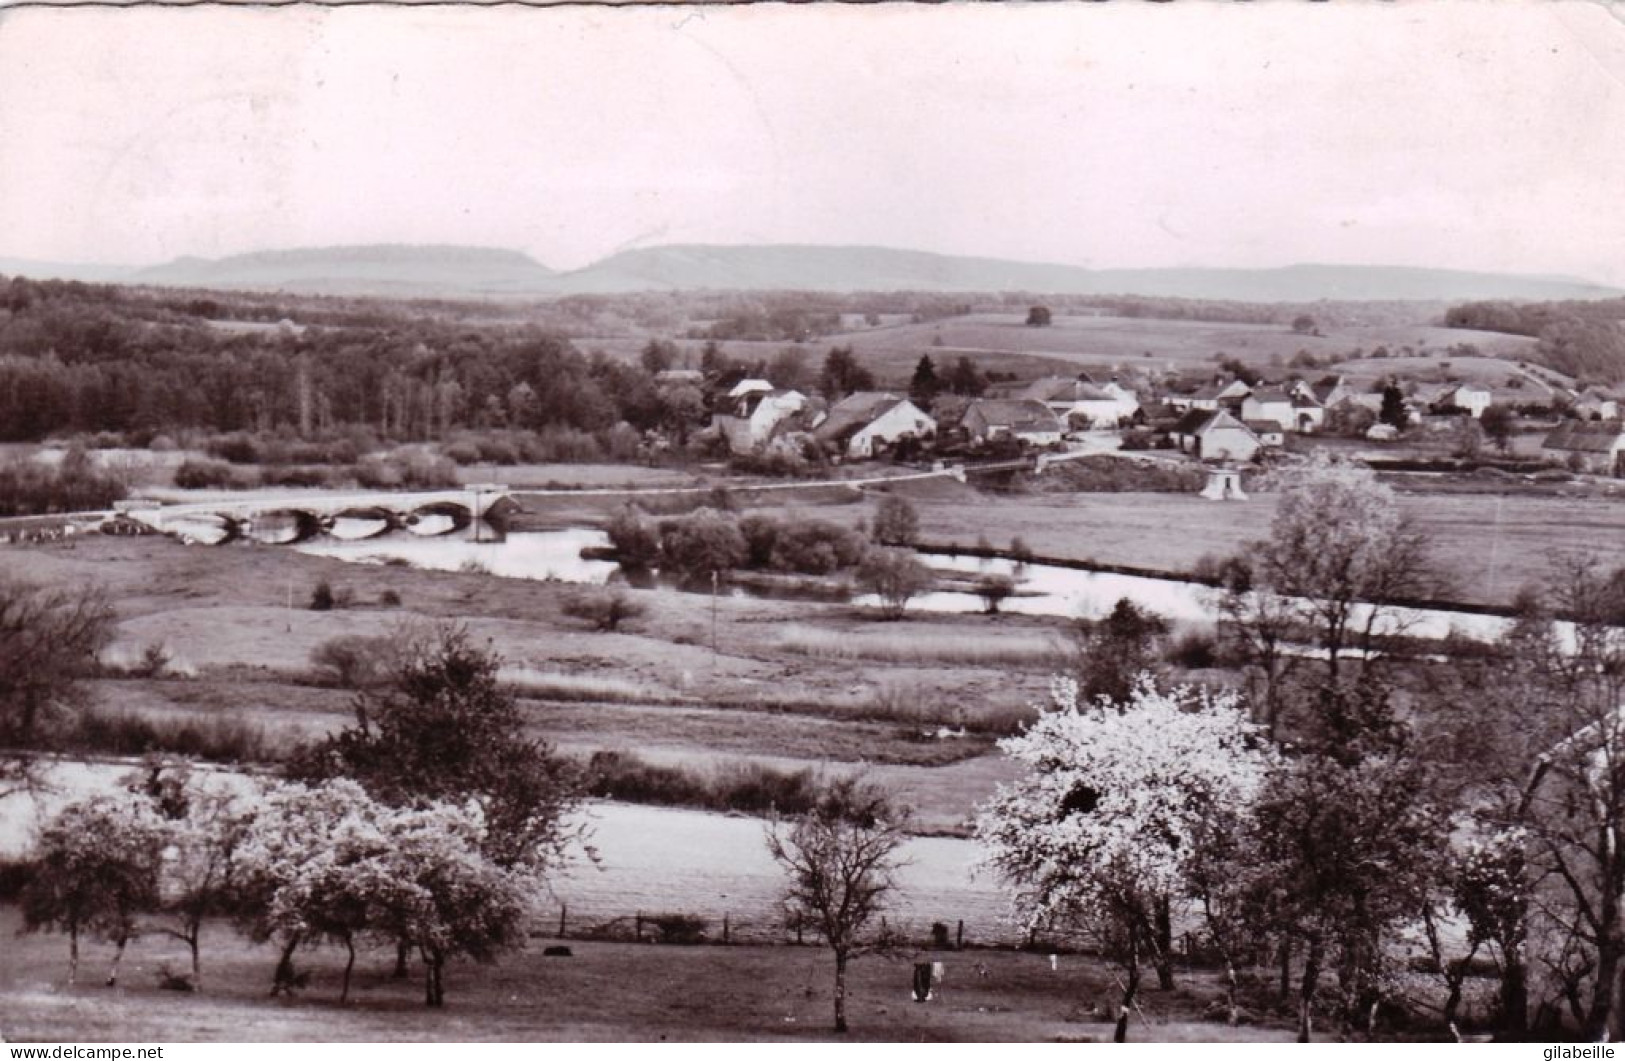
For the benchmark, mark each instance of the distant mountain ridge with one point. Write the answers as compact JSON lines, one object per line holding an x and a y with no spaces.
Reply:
{"x":408,"y":271}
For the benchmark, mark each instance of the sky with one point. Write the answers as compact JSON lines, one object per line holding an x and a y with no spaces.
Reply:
{"x":1476,"y":135}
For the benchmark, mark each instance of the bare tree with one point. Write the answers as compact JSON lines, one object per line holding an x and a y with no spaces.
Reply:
{"x":840,"y":858}
{"x":49,"y":637}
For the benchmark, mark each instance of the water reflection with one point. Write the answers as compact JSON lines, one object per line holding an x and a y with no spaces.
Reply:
{"x":1040,"y":589}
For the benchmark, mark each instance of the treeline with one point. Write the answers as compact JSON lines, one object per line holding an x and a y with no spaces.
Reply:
{"x":34,"y":488}
{"x":1585,"y":340}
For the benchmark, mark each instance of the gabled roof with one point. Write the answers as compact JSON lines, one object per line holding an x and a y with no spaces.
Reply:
{"x":1058,"y":389}
{"x":1222,"y":419}
{"x":1264,"y":427}
{"x":1194,"y":421}
{"x":1268,"y":395}
{"x":1016,"y":414}
{"x":855,"y":412}
{"x":1580,"y":437}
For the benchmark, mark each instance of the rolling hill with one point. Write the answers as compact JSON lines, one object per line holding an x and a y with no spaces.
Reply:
{"x":384,"y":269}
{"x":407,"y":271}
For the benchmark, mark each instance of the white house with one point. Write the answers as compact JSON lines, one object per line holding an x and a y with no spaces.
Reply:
{"x":1269,"y":404}
{"x":752,"y":416}
{"x":1024,"y":419}
{"x":1470,"y":397}
{"x":861,"y":424}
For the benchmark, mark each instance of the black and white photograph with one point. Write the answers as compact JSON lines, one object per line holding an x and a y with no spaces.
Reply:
{"x":812,"y":523}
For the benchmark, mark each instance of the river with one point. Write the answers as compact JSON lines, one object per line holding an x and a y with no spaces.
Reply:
{"x":1041,"y":589}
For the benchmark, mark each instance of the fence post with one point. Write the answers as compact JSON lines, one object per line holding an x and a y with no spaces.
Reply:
{"x":725,"y":926}
{"x":638,"y":923}
{"x":959,"y":936}
{"x":798,"y":928}
{"x":564,"y":910}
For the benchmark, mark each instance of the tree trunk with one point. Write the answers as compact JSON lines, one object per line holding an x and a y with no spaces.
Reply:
{"x":118,"y":956}
{"x":1286,"y":970}
{"x":1603,"y":988}
{"x":192,"y":941}
{"x":1232,"y":1009}
{"x":1131,"y":986}
{"x":349,"y":965}
{"x":1164,"y":939}
{"x":282,"y":978}
{"x":1514,"y":993}
{"x":1306,"y":996}
{"x":401,"y":950}
{"x":840,"y":991}
{"x":434,"y":991}
{"x":73,"y":952}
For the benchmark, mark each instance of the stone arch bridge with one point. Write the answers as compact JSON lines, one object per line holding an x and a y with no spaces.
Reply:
{"x":287,"y":520}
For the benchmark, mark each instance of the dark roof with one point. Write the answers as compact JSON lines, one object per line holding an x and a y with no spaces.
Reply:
{"x":855,"y":412}
{"x":1017,"y":414}
{"x":1193,"y":421}
{"x":1271,"y":393}
{"x":1580,"y":437}
{"x":1264,"y":427}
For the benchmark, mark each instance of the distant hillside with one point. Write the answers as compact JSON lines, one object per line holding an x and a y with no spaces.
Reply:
{"x":817,"y":268}
{"x":452,"y":272}
{"x":388,"y":269}
{"x":90,"y":274}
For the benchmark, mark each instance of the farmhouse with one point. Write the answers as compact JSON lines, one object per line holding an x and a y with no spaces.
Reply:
{"x":1469,"y":397}
{"x":1271,"y":404}
{"x":863,"y":423}
{"x":1598,"y":448}
{"x":1023,"y":419}
{"x":752,"y":413}
{"x":1597,"y":404}
{"x":1215,"y":435}
{"x":1082,"y":401}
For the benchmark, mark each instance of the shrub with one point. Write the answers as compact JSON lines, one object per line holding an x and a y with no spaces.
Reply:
{"x":1194,"y":649}
{"x":355,"y":661}
{"x":1020,"y":551}
{"x":761,"y":535}
{"x":205,"y":475}
{"x":390,"y":598}
{"x":817,"y":547}
{"x":603,"y":607}
{"x":994,"y":590}
{"x":321,"y":598}
{"x":216,"y":737}
{"x":237,"y":448}
{"x":683,"y":930}
{"x":703,"y":544}
{"x":896,"y":522}
{"x":896,"y":576}
{"x":634,"y":537}
{"x":461,"y":452}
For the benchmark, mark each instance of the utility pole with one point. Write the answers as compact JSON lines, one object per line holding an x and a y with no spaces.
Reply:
{"x":715,"y":579}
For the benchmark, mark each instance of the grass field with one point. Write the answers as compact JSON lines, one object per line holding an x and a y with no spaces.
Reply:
{"x":1003,"y":343}
{"x":603,"y":992}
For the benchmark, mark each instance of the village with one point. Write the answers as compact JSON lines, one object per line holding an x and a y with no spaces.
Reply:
{"x":811,"y":524}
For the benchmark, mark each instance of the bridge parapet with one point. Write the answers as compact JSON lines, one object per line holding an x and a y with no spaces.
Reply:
{"x":476,"y":500}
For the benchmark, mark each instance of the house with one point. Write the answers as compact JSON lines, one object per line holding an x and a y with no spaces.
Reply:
{"x":1269,"y":432}
{"x":1598,"y":448}
{"x":861,"y":424}
{"x":1213,"y":396}
{"x":1327,"y":391}
{"x":1597,"y":404}
{"x":1215,"y":435}
{"x":751,"y":415}
{"x":1469,"y":397}
{"x":1024,"y":419}
{"x":1080,"y":400}
{"x":1269,"y":404}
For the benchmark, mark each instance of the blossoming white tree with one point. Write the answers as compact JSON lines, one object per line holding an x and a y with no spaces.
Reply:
{"x":1109,"y":823}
